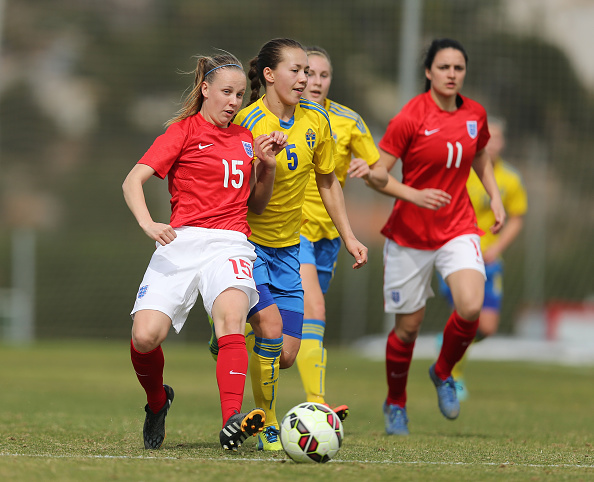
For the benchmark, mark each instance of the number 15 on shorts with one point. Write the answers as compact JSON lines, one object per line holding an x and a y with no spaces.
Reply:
{"x":242,"y":267}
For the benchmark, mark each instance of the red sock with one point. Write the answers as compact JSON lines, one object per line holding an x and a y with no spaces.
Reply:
{"x":457,"y":337}
{"x":232,"y":365}
{"x":149,"y":370}
{"x":398,"y":358}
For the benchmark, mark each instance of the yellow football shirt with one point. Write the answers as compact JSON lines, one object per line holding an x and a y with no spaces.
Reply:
{"x":352,"y":137}
{"x":310,"y":147}
{"x":513,"y":195}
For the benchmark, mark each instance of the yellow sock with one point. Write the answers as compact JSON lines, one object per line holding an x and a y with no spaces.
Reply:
{"x":311,"y":360}
{"x":264,"y":370}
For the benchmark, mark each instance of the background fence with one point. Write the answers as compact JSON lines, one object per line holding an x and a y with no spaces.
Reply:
{"x":86,"y":86}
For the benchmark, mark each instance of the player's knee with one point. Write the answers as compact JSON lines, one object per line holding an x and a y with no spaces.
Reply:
{"x":232,"y":323}
{"x":145,"y":340}
{"x":470,"y":310}
{"x":406,"y":335}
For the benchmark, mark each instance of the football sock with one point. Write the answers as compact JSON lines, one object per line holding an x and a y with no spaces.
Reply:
{"x":458,"y":370}
{"x":149,"y":370}
{"x":264,"y":370}
{"x":398,"y":358}
{"x":311,"y":360}
{"x":232,"y":365}
{"x":457,"y":336}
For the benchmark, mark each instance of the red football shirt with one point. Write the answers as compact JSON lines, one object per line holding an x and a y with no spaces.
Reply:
{"x":208,"y":170}
{"x":437,"y":149}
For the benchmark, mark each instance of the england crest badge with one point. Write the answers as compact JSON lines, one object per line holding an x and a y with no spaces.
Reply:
{"x":249,"y":150}
{"x":472,"y":129}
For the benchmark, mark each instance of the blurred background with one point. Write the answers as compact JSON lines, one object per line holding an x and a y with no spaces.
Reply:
{"x":86,"y":86}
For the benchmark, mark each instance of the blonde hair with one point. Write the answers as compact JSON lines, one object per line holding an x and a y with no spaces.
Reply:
{"x":320,"y":52}
{"x":206,"y":69}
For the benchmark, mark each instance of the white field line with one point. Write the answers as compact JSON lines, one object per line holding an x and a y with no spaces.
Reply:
{"x":334,"y":461}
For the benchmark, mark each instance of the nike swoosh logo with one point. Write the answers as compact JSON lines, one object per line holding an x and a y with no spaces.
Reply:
{"x":428,"y":133}
{"x":200,"y":146}
{"x":231,"y":372}
{"x":398,"y":375}
{"x":140,"y":374}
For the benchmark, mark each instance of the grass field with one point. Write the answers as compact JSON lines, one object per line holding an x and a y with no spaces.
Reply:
{"x":74,"y":411}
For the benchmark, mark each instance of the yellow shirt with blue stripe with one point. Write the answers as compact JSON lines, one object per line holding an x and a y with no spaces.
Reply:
{"x":352,"y":137}
{"x":311,"y":146}
{"x":513,"y":195}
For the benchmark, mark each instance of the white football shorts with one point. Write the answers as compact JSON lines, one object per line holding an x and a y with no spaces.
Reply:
{"x":408,"y":271}
{"x":198,"y":260}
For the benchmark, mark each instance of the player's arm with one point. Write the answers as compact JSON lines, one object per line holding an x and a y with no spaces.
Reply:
{"x":428,"y":198}
{"x":333,"y":199}
{"x":134,"y":196}
{"x":483,"y":167}
{"x":266,"y":147}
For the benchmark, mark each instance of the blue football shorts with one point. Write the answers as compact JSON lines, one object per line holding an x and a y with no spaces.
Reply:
{"x":323,"y":254}
{"x":277,"y":277}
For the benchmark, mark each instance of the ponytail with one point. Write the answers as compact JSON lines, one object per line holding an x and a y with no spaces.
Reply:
{"x":206,"y":69}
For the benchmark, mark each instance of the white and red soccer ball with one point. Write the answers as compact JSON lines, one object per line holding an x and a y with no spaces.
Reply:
{"x":311,"y":432}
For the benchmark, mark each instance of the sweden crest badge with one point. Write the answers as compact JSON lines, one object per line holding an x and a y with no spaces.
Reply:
{"x":310,"y":137}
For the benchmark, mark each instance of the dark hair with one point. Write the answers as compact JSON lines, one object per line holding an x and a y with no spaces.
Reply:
{"x":437,"y":45}
{"x":206,"y":69}
{"x":270,"y":55}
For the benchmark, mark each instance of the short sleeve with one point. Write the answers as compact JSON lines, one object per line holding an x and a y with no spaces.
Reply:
{"x":362,"y":144}
{"x":165,"y":150}
{"x":323,"y":158}
{"x":398,"y":135}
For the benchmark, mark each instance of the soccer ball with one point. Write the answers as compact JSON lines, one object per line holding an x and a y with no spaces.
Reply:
{"x":311,"y":432}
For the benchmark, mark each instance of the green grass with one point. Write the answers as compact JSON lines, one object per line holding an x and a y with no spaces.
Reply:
{"x":74,"y":411}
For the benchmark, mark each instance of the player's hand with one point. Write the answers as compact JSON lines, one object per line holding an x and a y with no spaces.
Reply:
{"x":266,"y":147}
{"x":358,"y":168}
{"x":159,"y":232}
{"x":499,"y":212}
{"x":358,"y":251}
{"x":433,"y":199}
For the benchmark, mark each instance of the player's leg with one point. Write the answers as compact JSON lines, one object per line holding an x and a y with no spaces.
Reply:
{"x":318,"y":261}
{"x":229,"y":312}
{"x":149,"y":330}
{"x":399,"y":352}
{"x":488,"y":322}
{"x":467,"y":287}
{"x":264,"y":367}
{"x":407,"y":286}
{"x":311,"y":359}
{"x":458,"y":370}
{"x":460,"y":263}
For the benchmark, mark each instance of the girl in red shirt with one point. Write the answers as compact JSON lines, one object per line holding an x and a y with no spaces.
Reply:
{"x":215,"y":169}
{"x":439,"y":135}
